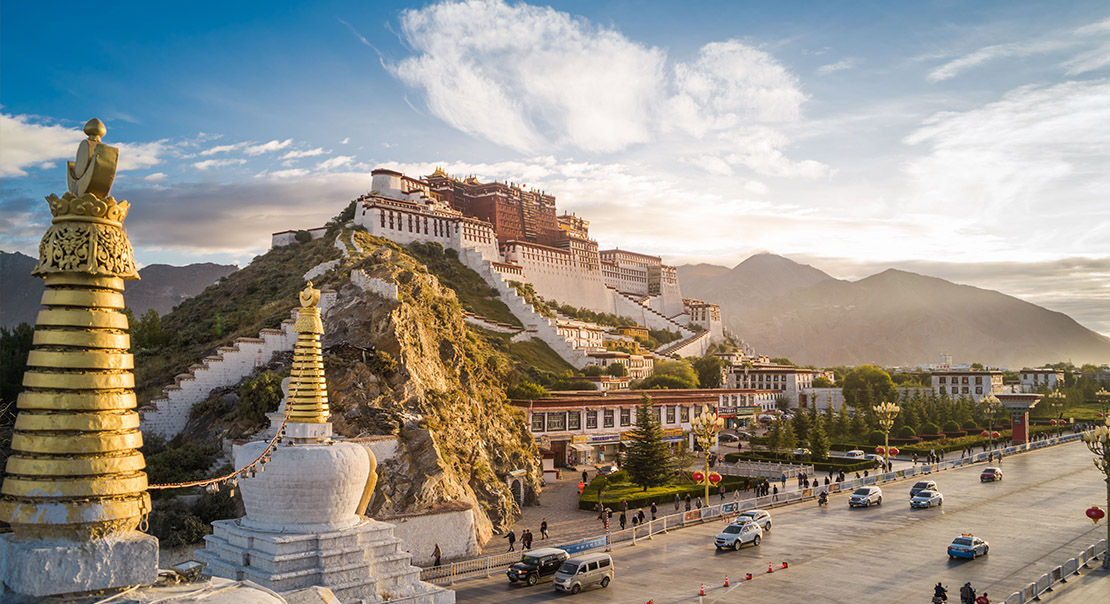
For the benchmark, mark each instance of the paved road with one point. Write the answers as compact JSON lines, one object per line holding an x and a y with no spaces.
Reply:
{"x":1033,"y":520}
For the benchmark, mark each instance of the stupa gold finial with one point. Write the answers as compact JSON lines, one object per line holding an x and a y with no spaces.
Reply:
{"x":76,"y":472}
{"x":308,"y":389}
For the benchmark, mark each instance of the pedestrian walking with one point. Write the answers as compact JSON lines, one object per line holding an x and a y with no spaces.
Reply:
{"x":967,"y":594}
{"x":543,"y":529}
{"x":776,"y":494}
{"x":623,"y":520}
{"x":512,"y":540}
{"x":677,"y":502}
{"x":865,"y":473}
{"x":915,"y":459}
{"x":437,"y":554}
{"x":784,"y":481}
{"x":826,"y":481}
{"x":635,"y":521}
{"x":526,"y":540}
{"x":689,"y":502}
{"x":641,"y":515}
{"x":654,"y":510}
{"x":722,"y":490}
{"x":624,"y":505}
{"x":698,"y":503}
{"x":982,"y":599}
{"x":600,"y":511}
{"x":585,"y":476}
{"x":581,"y":486}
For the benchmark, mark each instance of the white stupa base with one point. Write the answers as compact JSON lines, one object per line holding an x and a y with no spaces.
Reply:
{"x":46,"y":567}
{"x":363,"y":563}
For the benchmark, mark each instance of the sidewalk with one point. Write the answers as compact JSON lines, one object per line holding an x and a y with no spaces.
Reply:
{"x":1090,"y":587}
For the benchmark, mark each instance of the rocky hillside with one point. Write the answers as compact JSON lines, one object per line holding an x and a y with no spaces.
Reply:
{"x":160,"y":287}
{"x":409,"y":367}
{"x":893,"y":318}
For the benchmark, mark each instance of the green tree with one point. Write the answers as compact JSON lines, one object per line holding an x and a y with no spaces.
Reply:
{"x":259,"y":395}
{"x":648,"y":459}
{"x":774,"y":436}
{"x":665,"y":382}
{"x":592,"y":370}
{"x":679,"y":369}
{"x":781,"y":361}
{"x":617,"y":370}
{"x":857,"y":429}
{"x":789,"y":440}
{"x":709,"y":371}
{"x":526,"y":390}
{"x":819,"y":441}
{"x":803,"y":422}
{"x":822,"y":382}
{"x":867,"y":385}
{"x":842,"y":426}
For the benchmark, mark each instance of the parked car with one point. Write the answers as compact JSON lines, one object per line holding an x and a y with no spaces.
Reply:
{"x":855,"y":454}
{"x":927,"y":499}
{"x":607,"y":469}
{"x":801,"y":451}
{"x":990,"y":475}
{"x":968,"y":546}
{"x":738,"y":533}
{"x":760,"y":517}
{"x":874,"y":457}
{"x":728,"y":439}
{"x":922,"y":485}
{"x":537,"y":564}
{"x":865,"y":496}
{"x":584,"y":571}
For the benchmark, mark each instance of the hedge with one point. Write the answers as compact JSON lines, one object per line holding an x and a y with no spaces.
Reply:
{"x":821,"y":466}
{"x":662,"y":496}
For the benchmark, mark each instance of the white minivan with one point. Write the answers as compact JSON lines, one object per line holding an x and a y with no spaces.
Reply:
{"x":855,"y":454}
{"x":583,"y":571}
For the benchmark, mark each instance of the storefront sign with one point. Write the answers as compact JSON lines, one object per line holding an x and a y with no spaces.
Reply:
{"x":581,"y":438}
{"x":673,"y":434}
{"x":610,"y":437}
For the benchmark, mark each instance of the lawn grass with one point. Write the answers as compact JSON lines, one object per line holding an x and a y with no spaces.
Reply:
{"x":538,"y":354}
{"x":636,"y":496}
{"x":473,"y":292}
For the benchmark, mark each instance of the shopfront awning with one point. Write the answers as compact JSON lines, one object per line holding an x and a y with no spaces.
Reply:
{"x":582,"y":447}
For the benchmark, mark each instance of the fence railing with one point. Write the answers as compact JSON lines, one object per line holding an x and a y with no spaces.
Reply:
{"x":763,"y":469}
{"x":484,"y":567}
{"x":1033,"y":591}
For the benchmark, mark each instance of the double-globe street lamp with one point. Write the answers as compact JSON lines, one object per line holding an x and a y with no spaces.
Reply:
{"x":886,"y":411}
{"x":1103,"y":398}
{"x":1098,"y":441}
{"x":993,"y":409}
{"x":706,"y":426}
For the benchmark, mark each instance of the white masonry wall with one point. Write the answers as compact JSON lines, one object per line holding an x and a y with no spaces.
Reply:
{"x":419,"y":533}
{"x":374,"y":285}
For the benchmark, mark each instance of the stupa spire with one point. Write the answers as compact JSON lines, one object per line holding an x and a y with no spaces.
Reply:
{"x":76,"y":473}
{"x":308,"y":388}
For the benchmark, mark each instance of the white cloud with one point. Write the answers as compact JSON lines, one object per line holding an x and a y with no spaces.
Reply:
{"x":532,"y":78}
{"x":300,"y":154}
{"x":156,"y":177}
{"x":217,"y":163}
{"x":24,"y":142}
{"x":284,"y":174}
{"x":1094,"y":29}
{"x":269,"y":147}
{"x":136,"y":156}
{"x":841,"y":65}
{"x":222,"y":149}
{"x":1025,"y":166}
{"x":345,"y":141}
{"x":338,"y":161}
{"x":754,"y":186}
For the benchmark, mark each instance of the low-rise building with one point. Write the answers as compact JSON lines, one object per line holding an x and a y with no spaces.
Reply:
{"x":785,"y":380}
{"x":639,"y":366}
{"x":967,"y":383}
{"x":589,"y":427}
{"x":1033,"y":380}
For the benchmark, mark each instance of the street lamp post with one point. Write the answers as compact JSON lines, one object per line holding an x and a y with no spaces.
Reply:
{"x":1098,"y":441}
{"x":887,"y":412}
{"x":706,"y":425}
{"x":994,"y":408}
{"x":1103,"y":398}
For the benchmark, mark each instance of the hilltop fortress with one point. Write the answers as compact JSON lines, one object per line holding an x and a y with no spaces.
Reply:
{"x":514,"y":232}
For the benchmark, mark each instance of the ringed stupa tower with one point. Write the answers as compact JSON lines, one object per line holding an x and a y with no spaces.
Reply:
{"x":74,"y":489}
{"x":304,"y":524}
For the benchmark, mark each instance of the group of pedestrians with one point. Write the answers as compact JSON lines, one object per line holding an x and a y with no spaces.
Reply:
{"x":526,"y":539}
{"x":967,"y":595}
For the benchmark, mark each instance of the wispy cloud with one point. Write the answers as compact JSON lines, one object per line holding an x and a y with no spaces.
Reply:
{"x":217,"y":163}
{"x":841,"y":65}
{"x":274,"y":145}
{"x":307,"y":153}
{"x":334,"y":163}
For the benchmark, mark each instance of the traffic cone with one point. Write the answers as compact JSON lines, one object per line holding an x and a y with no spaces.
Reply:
{"x":702,"y":592}
{"x":770,"y":568}
{"x":748,"y":577}
{"x":784,"y":565}
{"x":726,"y":580}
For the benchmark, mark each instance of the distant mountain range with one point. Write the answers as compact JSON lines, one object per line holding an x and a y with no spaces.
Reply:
{"x":160,"y":287}
{"x":787,"y":309}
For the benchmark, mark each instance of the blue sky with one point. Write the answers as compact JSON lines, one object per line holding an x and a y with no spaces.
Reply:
{"x":969,"y":141}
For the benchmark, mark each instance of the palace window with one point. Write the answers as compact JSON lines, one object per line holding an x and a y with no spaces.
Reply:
{"x":659,"y":415}
{"x":626,"y":416}
{"x":684,"y":414}
{"x":591,"y":419}
{"x":574,"y":420}
{"x":943,"y":380}
{"x":382,"y":214}
{"x":537,"y":422}
{"x":943,"y":390}
{"x":978,"y":390}
{"x":670,"y":414}
{"x":607,"y":418}
{"x":978,"y":380}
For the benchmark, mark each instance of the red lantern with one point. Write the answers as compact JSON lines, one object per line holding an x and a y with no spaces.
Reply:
{"x":714,"y":478}
{"x":1098,"y":415}
{"x":879,"y":450}
{"x":995,"y":434}
{"x":894,"y":450}
{"x":698,"y":476}
{"x":985,"y":434}
{"x":1052,"y":422}
{"x":1095,"y":513}
{"x":1063,"y":422}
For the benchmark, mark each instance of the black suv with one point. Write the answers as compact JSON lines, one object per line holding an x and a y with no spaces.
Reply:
{"x":922,"y":485}
{"x":537,"y":564}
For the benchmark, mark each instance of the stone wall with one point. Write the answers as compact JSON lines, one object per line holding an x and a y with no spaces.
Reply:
{"x":694,"y":346}
{"x":452,"y":527}
{"x":380,"y":287}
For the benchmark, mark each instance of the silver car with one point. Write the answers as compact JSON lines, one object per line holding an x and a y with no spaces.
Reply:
{"x":738,"y":533}
{"x":760,"y":517}
{"x":863,"y":497}
{"x":927,"y":499}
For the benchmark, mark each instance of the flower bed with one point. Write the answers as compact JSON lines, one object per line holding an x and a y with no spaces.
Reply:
{"x":820,"y":466}
{"x":637,"y":497}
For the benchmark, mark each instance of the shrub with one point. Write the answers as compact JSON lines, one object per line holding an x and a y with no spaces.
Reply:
{"x":303,"y":237}
{"x":526,"y":390}
{"x":876,"y":437}
{"x":971,"y":425}
{"x":906,"y":432}
{"x":930,"y":428}
{"x":259,"y":395}
{"x":383,"y":363}
{"x":951,"y":426}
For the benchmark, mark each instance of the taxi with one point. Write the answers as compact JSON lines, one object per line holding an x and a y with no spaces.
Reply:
{"x":968,"y":546}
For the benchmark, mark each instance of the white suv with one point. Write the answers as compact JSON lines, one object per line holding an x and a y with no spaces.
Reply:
{"x":865,"y":496}
{"x":760,"y":517}
{"x":739,"y":533}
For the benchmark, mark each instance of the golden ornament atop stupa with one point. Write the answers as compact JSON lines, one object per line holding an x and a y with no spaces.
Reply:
{"x":308,"y":389}
{"x":75,"y":472}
